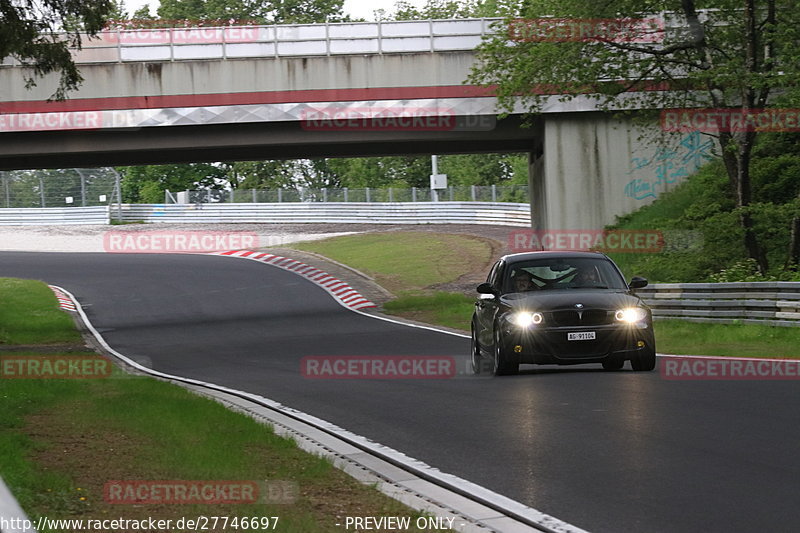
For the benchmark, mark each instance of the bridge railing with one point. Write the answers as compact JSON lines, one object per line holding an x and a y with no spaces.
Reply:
{"x":469,"y":193}
{"x":232,"y":42}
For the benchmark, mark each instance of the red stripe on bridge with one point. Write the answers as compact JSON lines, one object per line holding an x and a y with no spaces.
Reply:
{"x":246,"y":98}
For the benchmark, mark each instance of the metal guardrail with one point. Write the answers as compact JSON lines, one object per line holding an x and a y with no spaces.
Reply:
{"x":503,"y":214}
{"x":37,"y":216}
{"x":768,"y":303}
{"x":285,"y":40}
{"x":466,"y":193}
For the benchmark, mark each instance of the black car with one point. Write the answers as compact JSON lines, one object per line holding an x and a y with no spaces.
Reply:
{"x":560,"y":308}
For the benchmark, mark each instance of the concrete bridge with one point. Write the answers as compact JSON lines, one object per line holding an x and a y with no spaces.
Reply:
{"x":329,"y":90}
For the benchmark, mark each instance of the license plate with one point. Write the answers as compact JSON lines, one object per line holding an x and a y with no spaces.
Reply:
{"x":581,"y":336}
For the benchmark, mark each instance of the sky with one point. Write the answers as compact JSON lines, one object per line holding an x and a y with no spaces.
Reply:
{"x":355,"y":8}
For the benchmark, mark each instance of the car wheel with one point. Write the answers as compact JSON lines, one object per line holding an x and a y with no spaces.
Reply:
{"x":502,"y":366}
{"x":645,"y":361}
{"x":615,"y":363}
{"x":478,"y":362}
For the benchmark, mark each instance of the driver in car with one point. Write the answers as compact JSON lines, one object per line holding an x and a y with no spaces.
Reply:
{"x":522,"y":281}
{"x":586,"y":276}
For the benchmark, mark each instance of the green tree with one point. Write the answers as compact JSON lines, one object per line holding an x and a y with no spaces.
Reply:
{"x":263,"y":11}
{"x":144,"y":183}
{"x":143,"y":13}
{"x":483,"y":169}
{"x":739,"y":54}
{"x":29,"y":32}
{"x":435,"y":9}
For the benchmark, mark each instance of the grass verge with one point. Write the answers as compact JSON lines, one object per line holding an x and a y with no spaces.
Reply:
{"x":63,"y":440}
{"x":448,"y":309}
{"x":29,"y":316}
{"x":742,"y":340}
{"x":406,"y":260}
{"x":455,"y":309}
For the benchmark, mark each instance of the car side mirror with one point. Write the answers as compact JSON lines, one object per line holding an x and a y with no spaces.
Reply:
{"x":637,"y":282}
{"x":486,"y":288}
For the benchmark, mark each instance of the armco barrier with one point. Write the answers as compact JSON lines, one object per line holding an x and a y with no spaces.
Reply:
{"x":770,"y":303}
{"x":503,"y":214}
{"x":37,"y":216}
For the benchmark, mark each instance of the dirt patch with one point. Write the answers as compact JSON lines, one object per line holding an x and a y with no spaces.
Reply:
{"x":474,"y":273}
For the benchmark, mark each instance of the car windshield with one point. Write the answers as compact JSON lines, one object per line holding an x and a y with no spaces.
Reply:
{"x":562,"y":273}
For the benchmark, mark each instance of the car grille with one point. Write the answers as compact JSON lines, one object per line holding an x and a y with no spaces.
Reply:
{"x":585,"y":317}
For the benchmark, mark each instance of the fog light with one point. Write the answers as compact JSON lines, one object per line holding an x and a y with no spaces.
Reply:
{"x":640,"y":344}
{"x":517,"y":348}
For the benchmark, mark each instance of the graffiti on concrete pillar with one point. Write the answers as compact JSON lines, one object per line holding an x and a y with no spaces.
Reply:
{"x":667,"y":165}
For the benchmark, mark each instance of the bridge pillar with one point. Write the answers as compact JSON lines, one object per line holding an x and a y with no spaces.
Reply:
{"x":536,"y":186}
{"x":594,"y":167}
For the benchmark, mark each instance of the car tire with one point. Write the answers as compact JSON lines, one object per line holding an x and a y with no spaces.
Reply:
{"x":645,"y":361}
{"x":614,"y":363}
{"x":478,"y":362}
{"x":502,"y":366}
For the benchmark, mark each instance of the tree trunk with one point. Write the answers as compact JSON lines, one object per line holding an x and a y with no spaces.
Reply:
{"x":736,"y":152}
{"x":793,"y":257}
{"x":743,"y":199}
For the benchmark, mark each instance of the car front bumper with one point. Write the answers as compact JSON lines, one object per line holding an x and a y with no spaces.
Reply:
{"x":550,"y":345}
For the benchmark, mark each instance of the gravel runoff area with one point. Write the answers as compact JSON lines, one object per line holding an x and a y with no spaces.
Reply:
{"x":94,"y":238}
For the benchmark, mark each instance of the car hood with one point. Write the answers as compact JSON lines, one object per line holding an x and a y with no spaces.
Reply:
{"x":568,"y":299}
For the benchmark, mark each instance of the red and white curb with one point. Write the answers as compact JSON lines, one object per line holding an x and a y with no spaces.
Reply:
{"x":341,"y":291}
{"x":64,"y":301}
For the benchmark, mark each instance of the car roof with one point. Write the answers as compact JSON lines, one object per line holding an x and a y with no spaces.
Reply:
{"x":527,"y":256}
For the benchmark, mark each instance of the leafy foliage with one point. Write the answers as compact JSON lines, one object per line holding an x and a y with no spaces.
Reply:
{"x":262,"y":11}
{"x":39,"y":34}
{"x":719,"y":53}
{"x":704,"y":209}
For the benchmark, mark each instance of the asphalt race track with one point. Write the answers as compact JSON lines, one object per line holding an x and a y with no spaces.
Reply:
{"x":605,"y":451}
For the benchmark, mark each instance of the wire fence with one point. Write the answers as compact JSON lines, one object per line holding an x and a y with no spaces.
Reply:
{"x":70,"y":187}
{"x":473,"y":193}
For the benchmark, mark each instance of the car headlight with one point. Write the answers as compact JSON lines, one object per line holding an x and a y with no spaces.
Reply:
{"x":631,"y":315}
{"x":524,"y":319}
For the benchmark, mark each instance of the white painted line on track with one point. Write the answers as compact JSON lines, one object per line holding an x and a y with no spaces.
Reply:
{"x":320,"y":278}
{"x":729,"y":357}
{"x":517,"y":515}
{"x":335,"y":287}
